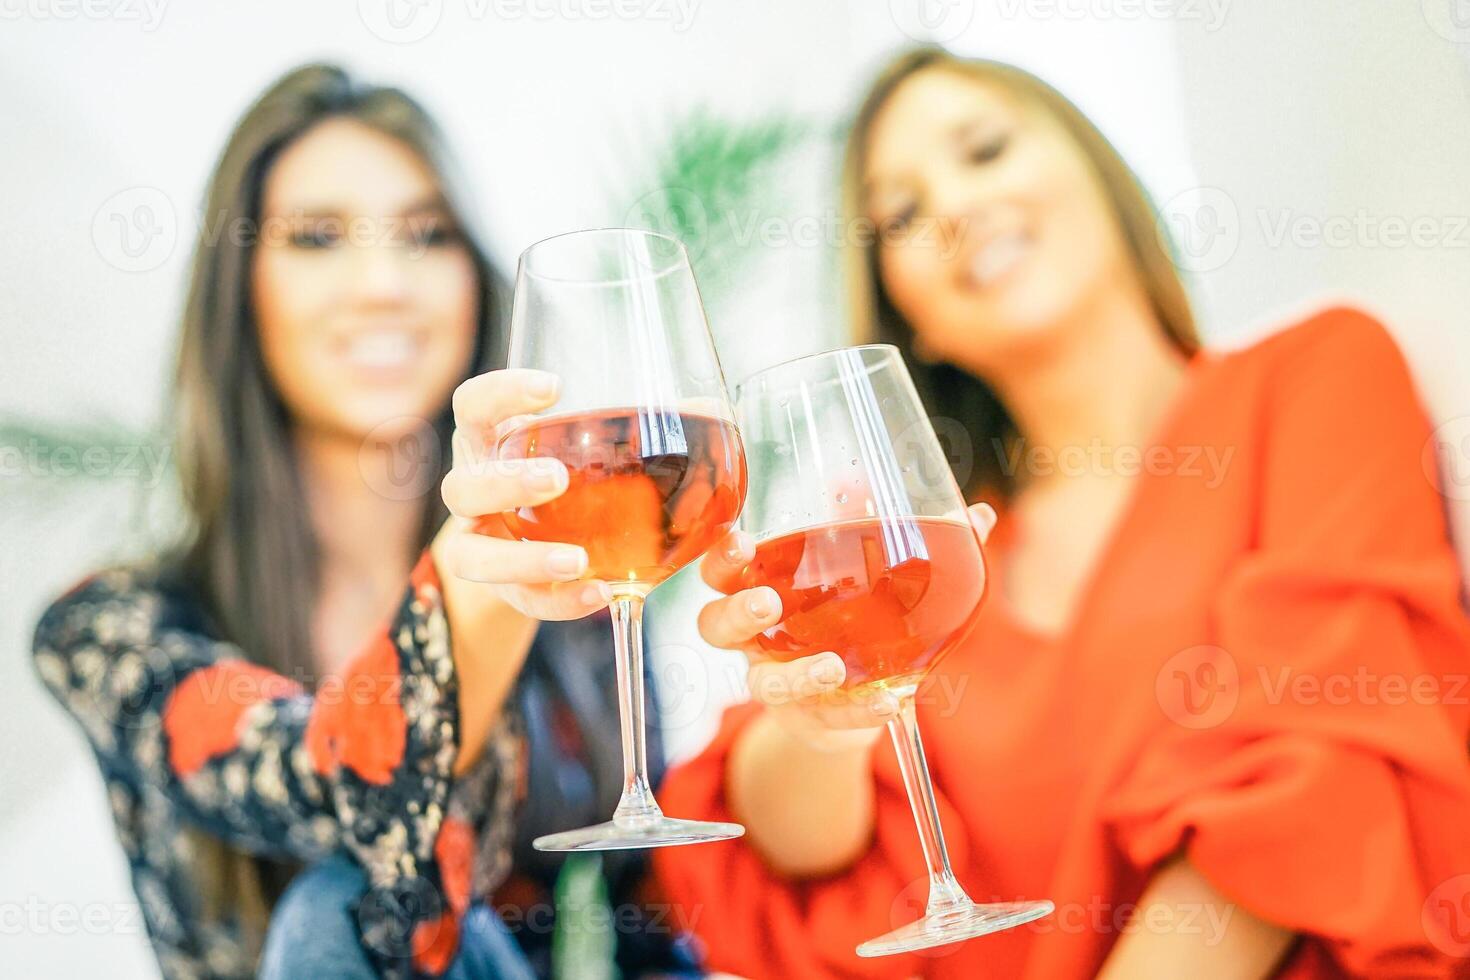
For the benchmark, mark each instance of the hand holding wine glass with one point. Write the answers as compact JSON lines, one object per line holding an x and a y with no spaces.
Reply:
{"x":541,"y":579}
{"x":861,"y":533}
{"x":809,"y":695}
{"x":649,"y":467}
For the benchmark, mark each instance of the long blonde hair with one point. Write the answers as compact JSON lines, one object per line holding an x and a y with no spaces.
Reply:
{"x":949,"y":391}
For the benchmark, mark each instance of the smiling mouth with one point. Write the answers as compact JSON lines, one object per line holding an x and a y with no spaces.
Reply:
{"x":382,"y":350}
{"x":996,"y":259}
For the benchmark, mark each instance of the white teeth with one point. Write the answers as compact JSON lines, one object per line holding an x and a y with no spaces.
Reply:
{"x":997,"y":258}
{"x":387,"y":349}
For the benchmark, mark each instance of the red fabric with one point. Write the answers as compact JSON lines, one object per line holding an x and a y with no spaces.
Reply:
{"x":202,"y":716}
{"x":358,"y":720}
{"x":435,"y":943}
{"x":1236,"y":682}
{"x":425,"y":576}
{"x":455,"y":853}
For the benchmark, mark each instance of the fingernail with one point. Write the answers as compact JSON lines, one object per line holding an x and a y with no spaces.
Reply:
{"x":596,"y":594}
{"x":542,"y":385}
{"x":828,"y":668}
{"x":759,"y":603}
{"x":987,"y":518}
{"x":567,"y":561}
{"x":736,"y":551}
{"x":544,"y":474}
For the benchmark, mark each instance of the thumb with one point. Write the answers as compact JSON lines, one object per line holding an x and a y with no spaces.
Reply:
{"x":983,"y":518}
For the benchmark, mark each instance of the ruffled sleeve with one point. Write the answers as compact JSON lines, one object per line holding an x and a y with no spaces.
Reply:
{"x":1314,"y":768}
{"x":365,"y":763}
{"x":768,"y":925}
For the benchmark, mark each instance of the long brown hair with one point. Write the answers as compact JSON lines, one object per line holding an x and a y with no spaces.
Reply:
{"x":250,"y":556}
{"x":949,"y":391}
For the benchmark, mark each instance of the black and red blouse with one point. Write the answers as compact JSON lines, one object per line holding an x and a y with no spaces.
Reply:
{"x":189,"y":733}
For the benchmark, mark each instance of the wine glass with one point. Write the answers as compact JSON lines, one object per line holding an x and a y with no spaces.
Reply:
{"x":862,"y":531}
{"x":657,"y":468}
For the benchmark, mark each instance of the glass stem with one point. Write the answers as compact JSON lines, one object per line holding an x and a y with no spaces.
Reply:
{"x":637,"y":806}
{"x":945,"y":892}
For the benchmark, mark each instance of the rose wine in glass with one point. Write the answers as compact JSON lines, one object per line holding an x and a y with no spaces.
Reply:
{"x":889,"y":597}
{"x":657,"y":468}
{"x":862,"y":531}
{"x":674,"y":480}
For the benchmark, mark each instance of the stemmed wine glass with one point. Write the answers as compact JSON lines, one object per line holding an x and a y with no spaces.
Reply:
{"x":862,"y":531}
{"x":657,"y":469}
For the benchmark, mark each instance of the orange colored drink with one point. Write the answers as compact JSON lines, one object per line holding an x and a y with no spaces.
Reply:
{"x":890,"y":596}
{"x":650,"y":491}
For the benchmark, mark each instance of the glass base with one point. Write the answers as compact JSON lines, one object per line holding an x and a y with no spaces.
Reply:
{"x":952,"y":925}
{"x":657,"y":831}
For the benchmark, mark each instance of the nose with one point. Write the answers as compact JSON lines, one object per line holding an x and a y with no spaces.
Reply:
{"x":953,"y":193}
{"x":380,"y":273}
{"x":960,"y":203}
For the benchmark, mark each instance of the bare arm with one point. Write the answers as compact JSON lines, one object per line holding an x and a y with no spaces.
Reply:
{"x":497,"y":589}
{"x":1184,"y":927}
{"x":490,"y":641}
{"x":809,"y":811}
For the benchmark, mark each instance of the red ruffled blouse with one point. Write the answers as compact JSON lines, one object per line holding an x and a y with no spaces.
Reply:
{"x":1267,"y":672}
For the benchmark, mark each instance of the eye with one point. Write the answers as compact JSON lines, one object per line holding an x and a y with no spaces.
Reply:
{"x":315,"y":236}
{"x":986,"y":149}
{"x":438,"y":233}
{"x":899,"y":219}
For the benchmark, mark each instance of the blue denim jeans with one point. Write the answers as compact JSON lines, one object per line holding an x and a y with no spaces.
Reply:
{"x":313,"y":933}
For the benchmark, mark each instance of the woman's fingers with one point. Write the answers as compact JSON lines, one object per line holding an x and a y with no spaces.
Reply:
{"x":485,"y":400}
{"x":775,"y":683}
{"x":721,"y":566}
{"x":809,"y":690}
{"x":560,"y":600}
{"x":733,"y":621}
{"x":498,"y":561}
{"x":983,"y":518}
{"x":494,"y":485}
{"x":863,"y":707}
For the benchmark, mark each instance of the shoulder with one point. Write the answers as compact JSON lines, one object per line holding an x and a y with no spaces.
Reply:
{"x":119,"y":604}
{"x":1341,"y":341}
{"x":1338,"y":366}
{"x":1340,"y":419}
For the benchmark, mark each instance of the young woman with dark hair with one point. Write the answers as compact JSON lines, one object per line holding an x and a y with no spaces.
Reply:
{"x":325,"y":754}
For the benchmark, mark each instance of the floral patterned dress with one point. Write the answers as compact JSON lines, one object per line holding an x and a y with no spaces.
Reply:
{"x":190,"y":734}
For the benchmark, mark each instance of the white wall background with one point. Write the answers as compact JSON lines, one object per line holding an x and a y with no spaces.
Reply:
{"x":1240,"y":115}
